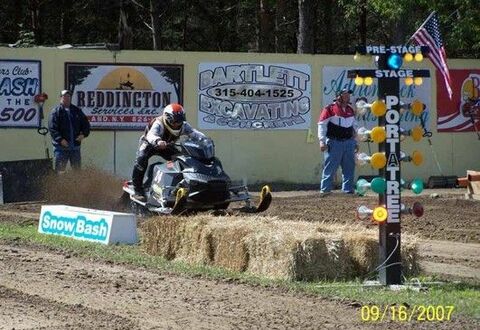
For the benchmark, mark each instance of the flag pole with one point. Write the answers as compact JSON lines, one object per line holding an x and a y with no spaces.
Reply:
{"x":421,"y":26}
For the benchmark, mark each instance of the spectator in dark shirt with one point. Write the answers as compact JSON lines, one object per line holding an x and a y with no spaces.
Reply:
{"x":68,"y":126}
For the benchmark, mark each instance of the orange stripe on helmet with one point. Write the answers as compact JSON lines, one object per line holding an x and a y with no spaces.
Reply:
{"x":176,"y":107}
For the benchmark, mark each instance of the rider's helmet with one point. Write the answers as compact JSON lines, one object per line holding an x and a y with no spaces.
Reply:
{"x":173,"y":117}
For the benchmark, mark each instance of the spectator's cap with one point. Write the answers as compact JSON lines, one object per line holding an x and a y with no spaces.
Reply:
{"x":343,"y":91}
{"x":65,"y":92}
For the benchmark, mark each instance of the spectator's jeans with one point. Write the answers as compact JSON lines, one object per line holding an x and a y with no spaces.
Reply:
{"x":63,"y":156}
{"x":339,"y":153}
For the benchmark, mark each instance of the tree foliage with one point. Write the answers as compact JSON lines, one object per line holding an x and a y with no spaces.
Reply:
{"x":276,"y":26}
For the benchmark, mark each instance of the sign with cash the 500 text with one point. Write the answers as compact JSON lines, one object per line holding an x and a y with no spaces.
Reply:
{"x":20,"y":81}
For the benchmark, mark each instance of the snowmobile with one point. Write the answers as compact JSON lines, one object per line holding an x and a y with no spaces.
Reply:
{"x":193,"y":180}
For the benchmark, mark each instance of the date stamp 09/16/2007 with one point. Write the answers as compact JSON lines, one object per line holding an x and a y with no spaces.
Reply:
{"x":402,"y":313}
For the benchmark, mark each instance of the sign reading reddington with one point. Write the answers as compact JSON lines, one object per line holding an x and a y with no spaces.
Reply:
{"x":254,"y":96}
{"x":123,"y":96}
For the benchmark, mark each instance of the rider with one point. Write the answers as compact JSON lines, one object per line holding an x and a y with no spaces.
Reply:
{"x":161,"y":131}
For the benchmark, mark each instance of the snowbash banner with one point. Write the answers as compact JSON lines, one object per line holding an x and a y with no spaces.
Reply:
{"x":335,"y":78}
{"x":20,"y":81}
{"x":123,"y":96}
{"x":254,"y":96}
{"x":462,"y":112}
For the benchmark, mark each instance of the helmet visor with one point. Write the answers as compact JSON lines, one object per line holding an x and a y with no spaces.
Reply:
{"x":176,"y":119}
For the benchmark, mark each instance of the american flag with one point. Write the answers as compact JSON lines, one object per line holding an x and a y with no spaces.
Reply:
{"x":429,"y":35}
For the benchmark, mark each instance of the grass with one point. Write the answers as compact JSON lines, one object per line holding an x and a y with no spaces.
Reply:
{"x":464,"y":297}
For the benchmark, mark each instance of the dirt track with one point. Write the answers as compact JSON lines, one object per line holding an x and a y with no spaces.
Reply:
{"x":41,"y":289}
{"x":51,"y":290}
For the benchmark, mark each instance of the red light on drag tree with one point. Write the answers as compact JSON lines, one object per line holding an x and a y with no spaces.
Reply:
{"x":417,"y":209}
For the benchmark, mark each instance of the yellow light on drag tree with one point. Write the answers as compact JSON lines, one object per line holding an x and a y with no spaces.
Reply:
{"x":408,"y":81}
{"x":416,"y":107}
{"x":418,"y":57}
{"x":358,"y":80}
{"x":378,"y":134}
{"x":380,"y":214}
{"x":418,"y":81}
{"x":417,"y":133}
{"x":368,"y":81}
{"x":417,"y":158}
{"x":379,"y":108}
{"x":408,"y":57}
{"x":378,"y":160}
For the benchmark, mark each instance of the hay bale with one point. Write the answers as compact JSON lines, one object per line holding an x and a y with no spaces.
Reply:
{"x":271,"y":253}
{"x":193,"y":242}
{"x":176,"y":238}
{"x":268,"y":247}
{"x":203,"y":239}
{"x":226,"y":246}
{"x":160,"y":236}
{"x":364,"y":251}
{"x":331,"y":259}
{"x":294,"y":251}
{"x":317,"y":258}
{"x":362,"y":248}
{"x":310,"y":259}
{"x":410,"y":256}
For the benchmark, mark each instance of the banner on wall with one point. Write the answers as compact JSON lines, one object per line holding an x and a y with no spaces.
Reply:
{"x":335,"y":78}
{"x":254,"y":96}
{"x":462,"y":112}
{"x":123,"y":96}
{"x":20,"y":81}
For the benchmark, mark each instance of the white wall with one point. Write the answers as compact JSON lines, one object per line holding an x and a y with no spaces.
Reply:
{"x":255,"y":155}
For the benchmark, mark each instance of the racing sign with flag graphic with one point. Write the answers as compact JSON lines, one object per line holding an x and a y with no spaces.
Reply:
{"x":462,"y":112}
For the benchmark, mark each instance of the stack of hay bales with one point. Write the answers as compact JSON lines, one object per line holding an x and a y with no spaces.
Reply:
{"x":266,"y":246}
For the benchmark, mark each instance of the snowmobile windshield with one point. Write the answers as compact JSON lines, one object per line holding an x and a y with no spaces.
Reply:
{"x":202,"y":149}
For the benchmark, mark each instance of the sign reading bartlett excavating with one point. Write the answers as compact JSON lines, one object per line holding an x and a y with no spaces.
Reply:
{"x":254,"y":96}
{"x":335,"y":78}
{"x":123,"y":96}
{"x":19,"y":83}
{"x":87,"y":224}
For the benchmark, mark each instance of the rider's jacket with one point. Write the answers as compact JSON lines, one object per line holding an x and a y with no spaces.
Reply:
{"x":158,"y":132}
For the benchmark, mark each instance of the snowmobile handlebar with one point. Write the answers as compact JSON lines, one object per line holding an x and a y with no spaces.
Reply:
{"x":167,"y":145}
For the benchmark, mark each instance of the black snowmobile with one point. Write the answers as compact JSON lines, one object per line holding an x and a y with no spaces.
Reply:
{"x":194,"y":180}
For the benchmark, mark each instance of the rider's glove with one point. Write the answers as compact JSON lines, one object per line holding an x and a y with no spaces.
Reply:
{"x":161,"y":144}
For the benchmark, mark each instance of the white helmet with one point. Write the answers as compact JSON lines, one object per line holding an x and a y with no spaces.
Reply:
{"x":173,"y":118}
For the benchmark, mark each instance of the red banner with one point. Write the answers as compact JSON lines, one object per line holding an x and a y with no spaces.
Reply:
{"x":462,"y":112}
{"x":120,"y":119}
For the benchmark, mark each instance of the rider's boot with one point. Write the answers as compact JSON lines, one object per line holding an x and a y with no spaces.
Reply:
{"x":137,"y":180}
